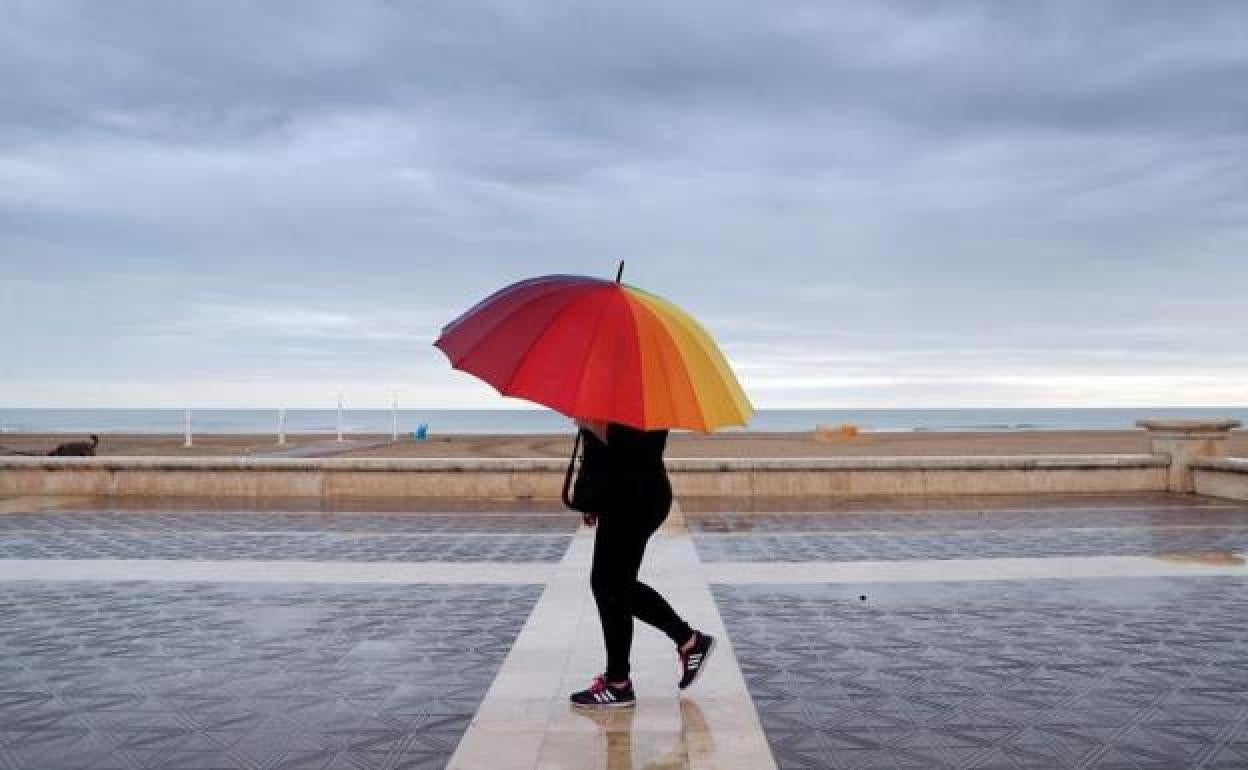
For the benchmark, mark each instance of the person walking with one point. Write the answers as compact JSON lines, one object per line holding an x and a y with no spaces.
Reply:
{"x":596,"y":349}
{"x":630,"y":462}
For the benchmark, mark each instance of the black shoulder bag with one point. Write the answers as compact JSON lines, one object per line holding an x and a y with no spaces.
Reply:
{"x":589,"y":493}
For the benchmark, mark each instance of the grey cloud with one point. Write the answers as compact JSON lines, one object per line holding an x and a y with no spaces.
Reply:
{"x":1008,"y":186}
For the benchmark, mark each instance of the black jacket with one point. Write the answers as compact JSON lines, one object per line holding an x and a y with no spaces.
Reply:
{"x":631,"y":466}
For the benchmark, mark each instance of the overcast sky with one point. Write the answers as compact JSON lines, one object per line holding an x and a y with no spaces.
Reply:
{"x":868,"y":204}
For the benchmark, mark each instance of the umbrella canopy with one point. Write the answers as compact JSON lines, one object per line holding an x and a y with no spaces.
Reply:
{"x":597,"y":349}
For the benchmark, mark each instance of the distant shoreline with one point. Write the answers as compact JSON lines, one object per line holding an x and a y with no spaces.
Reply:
{"x":522,"y":422}
{"x":734,"y":444}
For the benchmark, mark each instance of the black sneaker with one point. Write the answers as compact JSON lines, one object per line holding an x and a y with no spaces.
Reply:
{"x":601,"y":695}
{"x":692,"y":662}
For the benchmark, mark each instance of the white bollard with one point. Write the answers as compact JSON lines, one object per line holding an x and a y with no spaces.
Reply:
{"x":394,"y":417}
{"x":281,"y":427}
{"x":187,"y":442}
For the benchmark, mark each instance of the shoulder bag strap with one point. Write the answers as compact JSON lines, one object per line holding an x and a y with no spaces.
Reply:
{"x":567,"y":479}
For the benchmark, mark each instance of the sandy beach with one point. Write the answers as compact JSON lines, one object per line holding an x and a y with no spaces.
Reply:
{"x":734,"y":444}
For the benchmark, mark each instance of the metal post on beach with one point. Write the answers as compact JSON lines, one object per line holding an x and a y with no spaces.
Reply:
{"x":340,"y":416}
{"x":394,"y":417}
{"x":281,"y":427}
{"x":187,"y":417}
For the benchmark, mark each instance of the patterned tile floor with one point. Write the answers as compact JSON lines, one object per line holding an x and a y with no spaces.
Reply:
{"x":287,"y":523}
{"x":186,"y":675}
{"x":96,"y":544}
{"x":278,"y":536}
{"x":1142,"y":515}
{"x":1150,"y":527}
{"x":1023,"y":670}
{"x":1125,"y":673}
{"x":980,"y":545}
{"x":155,"y":674}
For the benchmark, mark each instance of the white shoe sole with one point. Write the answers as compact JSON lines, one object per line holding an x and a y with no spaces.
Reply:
{"x":616,"y":705}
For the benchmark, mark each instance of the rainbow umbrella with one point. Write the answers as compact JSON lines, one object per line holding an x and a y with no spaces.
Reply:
{"x":596,"y":349}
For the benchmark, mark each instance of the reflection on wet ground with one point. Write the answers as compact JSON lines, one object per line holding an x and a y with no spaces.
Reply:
{"x":624,"y":750}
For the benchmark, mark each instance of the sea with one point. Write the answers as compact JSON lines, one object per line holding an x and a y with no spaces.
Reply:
{"x":448,"y":421}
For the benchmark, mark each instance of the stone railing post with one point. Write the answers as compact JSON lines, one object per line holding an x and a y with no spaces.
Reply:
{"x":1186,"y":440}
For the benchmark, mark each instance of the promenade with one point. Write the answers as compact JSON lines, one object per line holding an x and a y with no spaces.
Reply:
{"x":1031,"y":631}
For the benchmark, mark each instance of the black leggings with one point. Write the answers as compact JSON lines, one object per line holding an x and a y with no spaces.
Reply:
{"x":619,"y":547}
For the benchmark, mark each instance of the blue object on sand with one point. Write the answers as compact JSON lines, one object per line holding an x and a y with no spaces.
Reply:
{"x":421,"y":433}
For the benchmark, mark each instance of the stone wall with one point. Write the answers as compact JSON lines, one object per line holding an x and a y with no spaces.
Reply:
{"x":340,"y":478}
{"x":1221,"y":477}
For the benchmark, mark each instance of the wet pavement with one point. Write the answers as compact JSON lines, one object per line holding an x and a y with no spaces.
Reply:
{"x":94,"y":544}
{"x":182,"y":675}
{"x":1034,"y":543}
{"x":287,"y":536}
{"x":1151,"y":526}
{"x":265,"y":522}
{"x":1119,"y":672}
{"x":1197,"y":514}
{"x":956,"y":632}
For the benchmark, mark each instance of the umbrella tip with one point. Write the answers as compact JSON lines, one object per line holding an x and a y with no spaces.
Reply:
{"x":620,"y":272}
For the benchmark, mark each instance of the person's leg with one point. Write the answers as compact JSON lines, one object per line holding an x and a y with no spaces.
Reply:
{"x":650,"y":607}
{"x":618,"y":548}
{"x":692,"y":647}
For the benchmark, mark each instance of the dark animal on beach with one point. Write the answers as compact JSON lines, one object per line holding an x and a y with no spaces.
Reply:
{"x":76,"y":448}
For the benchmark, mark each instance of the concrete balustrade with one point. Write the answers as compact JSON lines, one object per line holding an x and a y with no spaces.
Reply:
{"x":541,"y":478}
{"x":1221,"y":477}
{"x":1185,"y":442}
